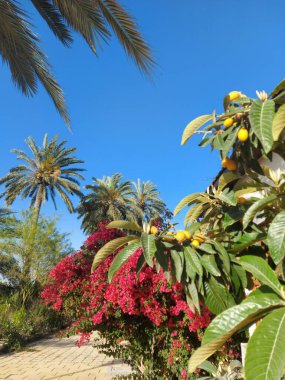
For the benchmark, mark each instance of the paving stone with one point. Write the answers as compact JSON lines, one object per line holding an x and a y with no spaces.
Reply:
{"x":54,"y":359}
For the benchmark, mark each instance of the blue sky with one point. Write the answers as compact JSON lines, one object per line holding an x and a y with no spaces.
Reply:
{"x":123,"y":122}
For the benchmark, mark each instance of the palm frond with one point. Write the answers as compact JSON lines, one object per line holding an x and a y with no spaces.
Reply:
{"x":43,"y":174}
{"x":128,"y":34}
{"x":19,"y":48}
{"x":54,"y":19}
{"x":85,"y":18}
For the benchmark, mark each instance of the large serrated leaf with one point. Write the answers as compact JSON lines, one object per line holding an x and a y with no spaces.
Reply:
{"x":121,"y":258}
{"x":188,"y":200}
{"x":209,"y":263}
{"x":260,"y":270}
{"x":193,"y":126}
{"x":277,"y":89}
{"x":161,"y":257}
{"x":178,"y":263}
{"x":209,"y":367}
{"x":223,"y":255}
{"x":260,"y":299}
{"x":227,"y":178}
{"x":256,"y":207}
{"x":276,"y":238}
{"x":229,"y":322}
{"x":149,"y":247}
{"x":193,"y":260}
{"x":217,"y":298}
{"x":241,"y":274}
{"x":194,"y":212}
{"x":266,"y":348}
{"x":228,"y":197}
{"x":261,"y":117}
{"x":109,"y":248}
{"x":278,"y":124}
{"x":246,"y":240}
{"x":229,"y":142}
{"x":125,"y":225}
{"x":194,"y":295}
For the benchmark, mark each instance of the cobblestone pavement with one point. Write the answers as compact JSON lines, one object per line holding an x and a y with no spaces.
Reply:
{"x":54,"y":358}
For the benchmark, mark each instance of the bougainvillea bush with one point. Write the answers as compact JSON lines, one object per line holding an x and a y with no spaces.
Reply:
{"x":142,"y":318}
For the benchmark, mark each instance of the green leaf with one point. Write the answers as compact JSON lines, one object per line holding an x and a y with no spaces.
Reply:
{"x":140,"y":264}
{"x":233,"y":215}
{"x":266,"y":348}
{"x":229,"y":322}
{"x":263,"y":294}
{"x":276,"y":238}
{"x":217,"y":298}
{"x":206,"y":141}
{"x":227,"y":178}
{"x":125,"y":225}
{"x":218,"y":142}
{"x":246,"y":240}
{"x":259,"y":300}
{"x":260,"y":270}
{"x":241,"y":274}
{"x":192,"y":260}
{"x":193,"y":213}
{"x":161,"y":257}
{"x":178,"y":263}
{"x":110,"y":248}
{"x":257,"y":206}
{"x":278,"y":124}
{"x":209,"y":263}
{"x":194,"y":295}
{"x":121,"y":258}
{"x":277,"y":89}
{"x":149,"y":247}
{"x":228,"y":197}
{"x":209,"y":367}
{"x":206,"y":247}
{"x":223,"y":255}
{"x":261,"y":117}
{"x":186,"y":201}
{"x":229,"y":142}
{"x":193,"y":126}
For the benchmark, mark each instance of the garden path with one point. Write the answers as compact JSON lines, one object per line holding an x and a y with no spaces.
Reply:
{"x":55,"y":358}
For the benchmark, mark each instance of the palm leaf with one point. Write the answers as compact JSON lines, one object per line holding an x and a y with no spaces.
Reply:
{"x":54,"y":19}
{"x":128,"y":34}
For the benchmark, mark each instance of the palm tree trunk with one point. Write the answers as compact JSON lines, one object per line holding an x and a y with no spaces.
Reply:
{"x":37,"y":208}
{"x":26,"y":280}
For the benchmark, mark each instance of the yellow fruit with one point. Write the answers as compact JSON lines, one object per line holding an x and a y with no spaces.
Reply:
{"x":195,"y":243}
{"x":231,"y":165}
{"x":233,"y":95}
{"x":187,"y":234}
{"x":180,"y":236}
{"x":200,"y":238}
{"x":153,"y":230}
{"x":228,"y":122}
{"x":243,"y":134}
{"x":242,"y":200}
{"x":224,"y":162}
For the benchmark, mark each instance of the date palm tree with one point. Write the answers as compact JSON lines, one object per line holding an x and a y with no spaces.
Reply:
{"x":48,"y":172}
{"x":92,"y":19}
{"x":109,"y":198}
{"x":146,"y":201}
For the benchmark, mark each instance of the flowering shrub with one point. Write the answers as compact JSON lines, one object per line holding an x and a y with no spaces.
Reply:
{"x":143,"y":319}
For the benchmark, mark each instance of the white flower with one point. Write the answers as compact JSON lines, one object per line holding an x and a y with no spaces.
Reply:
{"x":262,"y":95}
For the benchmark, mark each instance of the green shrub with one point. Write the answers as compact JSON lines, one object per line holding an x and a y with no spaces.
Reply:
{"x":20,"y":325}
